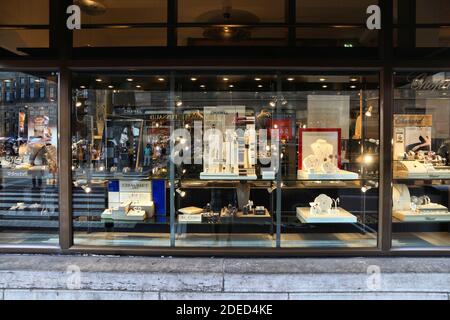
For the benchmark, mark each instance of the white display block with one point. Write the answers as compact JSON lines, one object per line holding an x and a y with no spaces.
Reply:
{"x":339,"y":175}
{"x":189,"y":218}
{"x":226,"y":176}
{"x":343,"y":216}
{"x":411,"y":216}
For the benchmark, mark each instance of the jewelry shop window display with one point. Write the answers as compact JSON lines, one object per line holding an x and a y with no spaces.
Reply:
{"x":29,"y":184}
{"x":223,"y":154}
{"x":329,"y":124}
{"x":421,"y":158}
{"x":120,"y":154}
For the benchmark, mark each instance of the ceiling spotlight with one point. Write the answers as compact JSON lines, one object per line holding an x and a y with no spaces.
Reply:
{"x":193,"y":79}
{"x":353,"y":87}
{"x":324,"y":86}
{"x":99,"y":80}
{"x":322,"y":79}
{"x":82,"y":87}
{"x":130,"y":79}
{"x":86,"y":189}
{"x":290,"y":79}
{"x":161,"y":79}
{"x":203,"y":86}
{"x":353,"y":79}
{"x":226,"y":79}
{"x":37,"y":81}
{"x":257,"y":79}
{"x":138,"y":86}
{"x":231,"y":86}
{"x":111,"y":87}
{"x":260,"y":86}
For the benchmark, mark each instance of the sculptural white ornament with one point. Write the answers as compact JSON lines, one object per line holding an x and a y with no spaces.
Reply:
{"x":312,"y":163}
{"x":321,"y":204}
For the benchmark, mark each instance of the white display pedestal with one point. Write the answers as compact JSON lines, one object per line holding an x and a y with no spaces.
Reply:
{"x":343,"y":216}
{"x":339,"y":175}
{"x":411,"y":216}
{"x":226,"y":176}
{"x":132,"y":215}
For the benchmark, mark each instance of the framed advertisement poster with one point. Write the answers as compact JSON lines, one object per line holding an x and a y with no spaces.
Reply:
{"x":323,"y":143}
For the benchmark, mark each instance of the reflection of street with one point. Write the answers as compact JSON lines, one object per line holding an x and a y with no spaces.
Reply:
{"x":24,"y":207}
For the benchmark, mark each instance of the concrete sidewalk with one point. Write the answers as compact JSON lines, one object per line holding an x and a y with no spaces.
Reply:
{"x":94,"y":277}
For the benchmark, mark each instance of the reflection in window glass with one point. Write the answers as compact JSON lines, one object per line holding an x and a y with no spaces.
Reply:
{"x":139,"y":37}
{"x":330,"y":166}
{"x":225,"y":168}
{"x":120,"y":152}
{"x":28,"y":160}
{"x":232,"y":36}
{"x":119,"y":11}
{"x":421,"y":159}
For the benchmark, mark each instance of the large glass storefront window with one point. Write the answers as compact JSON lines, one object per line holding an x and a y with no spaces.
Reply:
{"x":120,"y":152}
{"x":224,"y":157}
{"x":233,"y":159}
{"x":329,"y":124}
{"x":28,"y":158}
{"x":421,"y":159}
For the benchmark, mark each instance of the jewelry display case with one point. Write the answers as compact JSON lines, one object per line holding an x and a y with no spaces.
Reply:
{"x":420,"y":193}
{"x":224,"y":168}
{"x":330,"y":170}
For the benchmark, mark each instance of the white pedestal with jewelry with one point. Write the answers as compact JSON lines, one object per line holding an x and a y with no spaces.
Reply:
{"x":412,"y":209}
{"x":325,"y":210}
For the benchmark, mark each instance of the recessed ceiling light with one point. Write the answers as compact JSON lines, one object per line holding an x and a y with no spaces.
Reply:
{"x":98,"y":80}
{"x":231,"y":86}
{"x":202,"y":86}
{"x":111,"y":87}
{"x":257,"y":79}
{"x":290,"y":79}
{"x":82,"y":87}
{"x":37,"y":80}
{"x":130,"y":79}
{"x":260,"y":86}
{"x":353,"y":87}
{"x":138,"y":86}
{"x":193,"y":79}
{"x":353,"y":79}
{"x":322,"y":79}
{"x":226,"y":79}
{"x":324,"y":86}
{"x":161,"y":79}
